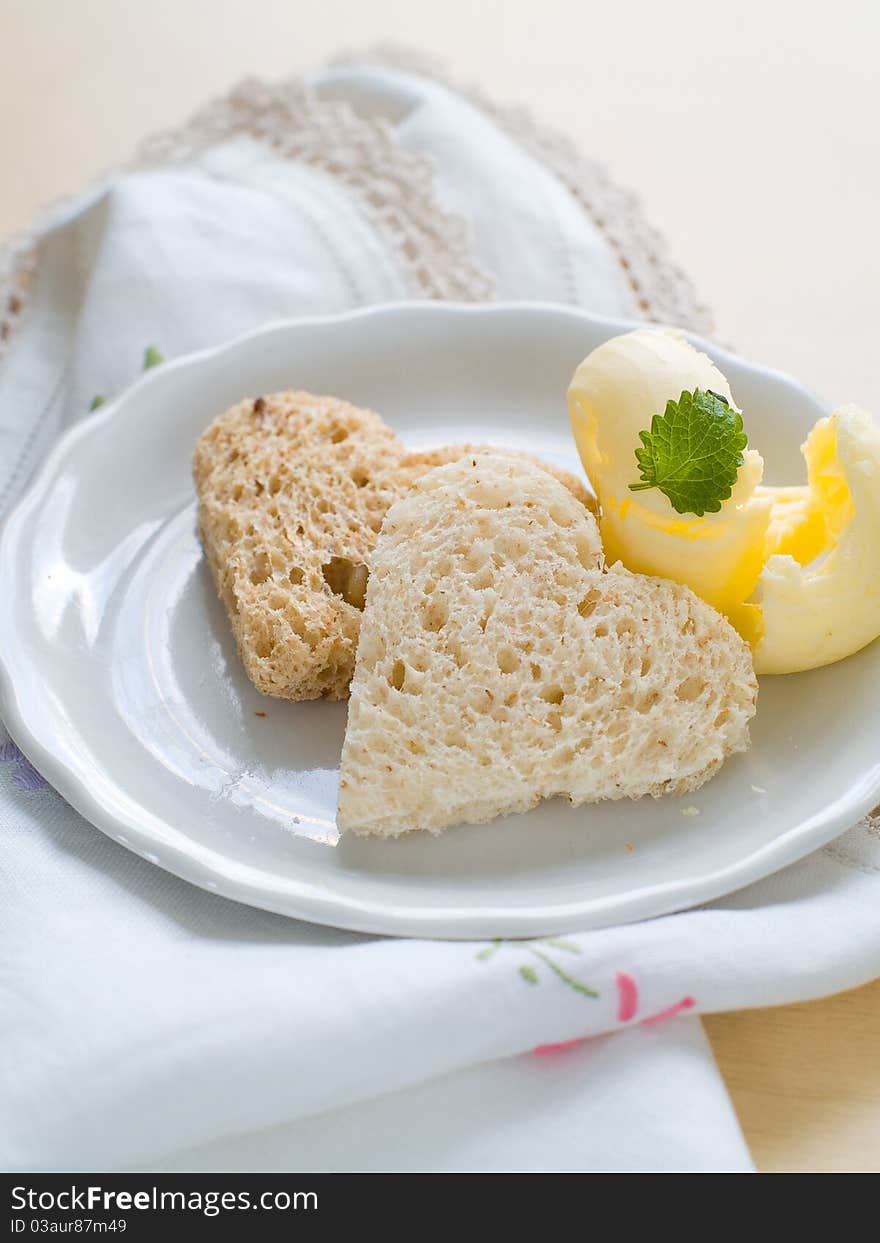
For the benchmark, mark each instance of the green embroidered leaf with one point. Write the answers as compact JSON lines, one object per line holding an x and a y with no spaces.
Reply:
{"x":488,"y":950}
{"x":529,"y":974}
{"x":558,"y":943}
{"x":693,"y":452}
{"x":96,"y":402}
{"x":563,"y":975}
{"x":152,"y":357}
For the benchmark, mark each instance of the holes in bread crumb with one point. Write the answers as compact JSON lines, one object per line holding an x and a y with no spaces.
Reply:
{"x":298,"y":626}
{"x":339,"y":434}
{"x":274,"y":485}
{"x":561,"y":516}
{"x":508,"y":660}
{"x":488,"y":495}
{"x":601,"y":631}
{"x":553,"y":694}
{"x":326,"y":677}
{"x":397,"y":676}
{"x":690,"y":689}
{"x":645,"y":667}
{"x":360,"y":477}
{"x":511,"y":546}
{"x":554,"y":720}
{"x":535,"y":670}
{"x":483,"y":578}
{"x":435,"y":615}
{"x":587,"y":554}
{"x":483,"y":700}
{"x":688,"y":627}
{"x":262,"y":569}
{"x":721,"y":719}
{"x":587,"y":606}
{"x":237,"y":492}
{"x":264,"y":646}
{"x":456,"y":652}
{"x":295,"y":575}
{"x":371,"y":650}
{"x":346,"y":579}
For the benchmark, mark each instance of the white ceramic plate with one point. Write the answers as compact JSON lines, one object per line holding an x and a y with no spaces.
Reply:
{"x":120,"y":682}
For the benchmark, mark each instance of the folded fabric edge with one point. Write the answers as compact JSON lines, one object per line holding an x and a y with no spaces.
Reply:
{"x":662,"y":291}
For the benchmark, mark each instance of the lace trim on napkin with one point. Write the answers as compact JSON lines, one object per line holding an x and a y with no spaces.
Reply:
{"x":661,"y":290}
{"x":859,"y":847}
{"x":17,"y":263}
{"x":394,"y":187}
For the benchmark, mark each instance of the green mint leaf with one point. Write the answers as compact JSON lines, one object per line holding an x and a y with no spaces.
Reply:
{"x":152,"y":357}
{"x":693,"y":452}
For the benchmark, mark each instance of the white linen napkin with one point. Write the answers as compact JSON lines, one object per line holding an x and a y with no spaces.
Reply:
{"x":644,"y":1100}
{"x":141,"y":1018}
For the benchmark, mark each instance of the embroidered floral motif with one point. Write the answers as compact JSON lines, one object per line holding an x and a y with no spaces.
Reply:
{"x":24,"y":775}
{"x":153,"y":357}
{"x":528,"y":973}
{"x":627,"y":997}
{"x":627,"y":988}
{"x":627,"y":1008}
{"x":686,"y":1003}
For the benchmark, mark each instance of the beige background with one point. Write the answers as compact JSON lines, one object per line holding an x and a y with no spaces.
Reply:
{"x":749,"y":129}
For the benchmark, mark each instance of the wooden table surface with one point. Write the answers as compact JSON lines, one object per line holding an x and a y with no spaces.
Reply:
{"x":750,"y":132}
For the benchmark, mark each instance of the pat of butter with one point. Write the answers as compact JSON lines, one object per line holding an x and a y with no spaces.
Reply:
{"x":794,"y":568}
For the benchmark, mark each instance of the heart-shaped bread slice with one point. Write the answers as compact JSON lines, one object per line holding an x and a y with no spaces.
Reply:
{"x":292,"y":491}
{"x":500,"y":664}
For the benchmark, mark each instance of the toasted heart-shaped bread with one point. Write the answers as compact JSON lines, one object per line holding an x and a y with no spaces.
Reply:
{"x":500,"y":664}
{"x":292,"y":491}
